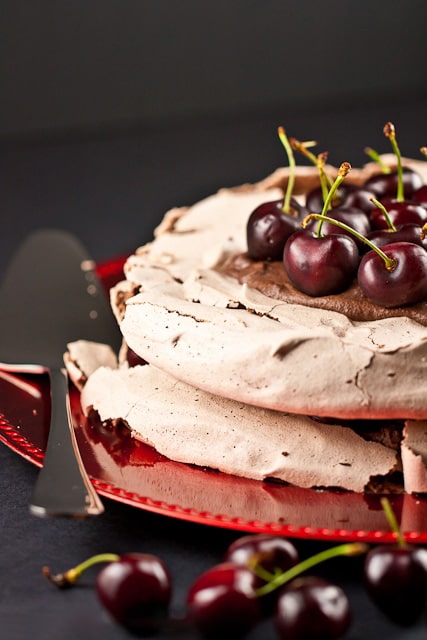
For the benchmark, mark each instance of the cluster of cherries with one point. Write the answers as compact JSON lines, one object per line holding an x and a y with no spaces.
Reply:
{"x":374,"y":232}
{"x":260,"y":576}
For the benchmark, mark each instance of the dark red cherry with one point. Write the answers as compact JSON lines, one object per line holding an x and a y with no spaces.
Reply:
{"x":403,"y":233}
{"x":314,"y":198}
{"x":222,"y":601}
{"x":354,"y":218}
{"x":385,"y":184}
{"x":310,"y":607}
{"x":404,"y":284}
{"x":396,"y":580}
{"x":271,"y":552}
{"x":136,"y":590}
{"x":269,"y":227}
{"x":420,"y":195}
{"x":359,"y":199}
{"x":320,"y":266}
{"x":400,"y":213}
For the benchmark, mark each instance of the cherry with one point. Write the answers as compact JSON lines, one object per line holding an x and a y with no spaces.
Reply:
{"x":353,"y":217}
{"x":311,"y":607}
{"x":410,"y":232}
{"x":223,"y":601}
{"x":267,"y":554}
{"x":269,"y":227}
{"x":136,"y":590}
{"x":314,"y":200}
{"x":395,"y":275}
{"x":360,"y":198}
{"x":403,"y":233}
{"x":400,"y":213}
{"x":320,"y":266}
{"x":272,"y":553}
{"x":403,"y":181}
{"x":385,"y":184}
{"x":420,"y":196}
{"x":396,"y":577}
{"x":271,"y":223}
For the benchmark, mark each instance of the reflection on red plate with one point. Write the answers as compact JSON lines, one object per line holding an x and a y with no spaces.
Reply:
{"x":128,"y":471}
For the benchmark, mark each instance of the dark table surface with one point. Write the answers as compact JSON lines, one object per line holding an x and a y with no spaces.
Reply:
{"x":111,"y":188}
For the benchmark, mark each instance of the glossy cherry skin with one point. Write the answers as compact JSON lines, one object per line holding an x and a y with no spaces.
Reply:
{"x":396,"y":580}
{"x":320,"y":266}
{"x":404,"y":285}
{"x":136,"y":591}
{"x":268,"y":228}
{"x":222,"y":601}
{"x":354,"y":218}
{"x":359,"y":199}
{"x":385,"y":184}
{"x":311,"y":607}
{"x":314,"y":198}
{"x":404,"y":233}
{"x":420,"y":195}
{"x":399,"y":212}
{"x":272,"y":553}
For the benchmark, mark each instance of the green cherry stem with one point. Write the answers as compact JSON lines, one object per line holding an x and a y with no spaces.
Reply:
{"x":392,"y":521}
{"x":318,"y":161}
{"x":380,"y":205}
{"x":375,"y":156}
{"x":344,"y":169}
{"x":423,"y":151}
{"x":348,"y":549}
{"x":70,"y":577}
{"x":390,"y":264}
{"x":290,"y":186}
{"x":390,"y":133}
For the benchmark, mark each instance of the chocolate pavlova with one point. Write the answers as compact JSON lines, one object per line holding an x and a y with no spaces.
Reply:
{"x":245,"y":374}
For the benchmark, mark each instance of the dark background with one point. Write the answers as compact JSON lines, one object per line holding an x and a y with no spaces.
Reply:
{"x":112,"y":111}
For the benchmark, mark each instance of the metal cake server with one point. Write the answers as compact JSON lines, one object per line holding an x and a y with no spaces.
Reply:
{"x":49,"y":296}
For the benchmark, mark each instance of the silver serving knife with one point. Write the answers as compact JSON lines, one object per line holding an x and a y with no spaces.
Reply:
{"x":49,"y":296}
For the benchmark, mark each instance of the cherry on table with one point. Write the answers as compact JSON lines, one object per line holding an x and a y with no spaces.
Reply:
{"x":396,"y":580}
{"x":136,"y":591}
{"x":310,"y":607}
{"x":223,"y":602}
{"x":271,"y":552}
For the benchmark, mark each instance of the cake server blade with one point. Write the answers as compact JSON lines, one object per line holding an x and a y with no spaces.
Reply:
{"x":50,"y":296}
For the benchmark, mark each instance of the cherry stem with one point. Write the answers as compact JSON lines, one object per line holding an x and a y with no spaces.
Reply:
{"x":375,"y":156}
{"x":349,"y":549}
{"x":71,"y":576}
{"x":344,"y":169}
{"x":290,"y":186}
{"x":423,"y":151}
{"x":318,"y":161}
{"x":380,"y":205}
{"x":390,"y":133}
{"x":391,"y":519}
{"x":390,"y":263}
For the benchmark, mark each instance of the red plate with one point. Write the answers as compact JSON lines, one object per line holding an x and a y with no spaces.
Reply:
{"x":130,"y":472}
